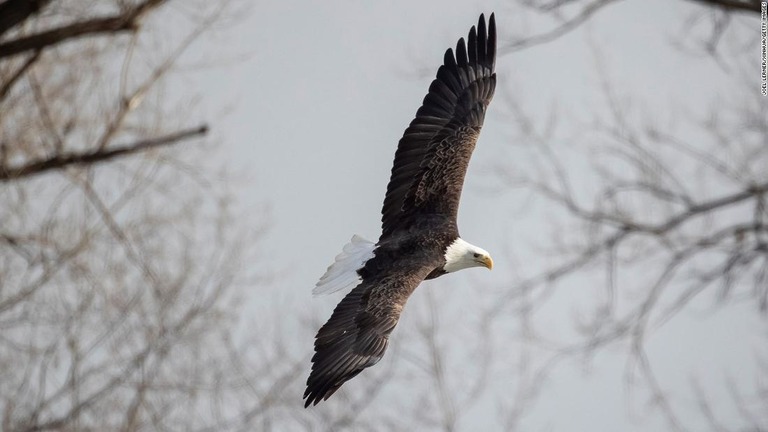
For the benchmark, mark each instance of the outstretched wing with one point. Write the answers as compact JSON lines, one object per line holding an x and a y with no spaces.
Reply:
{"x":432,"y":157}
{"x":357,"y":334}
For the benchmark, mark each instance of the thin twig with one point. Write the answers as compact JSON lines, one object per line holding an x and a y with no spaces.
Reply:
{"x":6,"y":87}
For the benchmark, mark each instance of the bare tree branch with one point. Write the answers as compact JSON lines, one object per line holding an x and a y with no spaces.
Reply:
{"x":125,"y":21}
{"x":20,"y":72}
{"x":14,"y":12}
{"x":733,"y":5}
{"x":591,"y":8}
{"x":64,"y":160}
{"x":567,"y":26}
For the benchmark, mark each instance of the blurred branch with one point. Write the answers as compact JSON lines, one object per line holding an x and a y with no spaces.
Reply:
{"x":154,"y":347}
{"x":50,"y":269}
{"x":130,"y":102}
{"x":14,"y":12}
{"x":268,"y":400}
{"x":445,"y":401}
{"x":128,"y":20}
{"x":7,"y":85}
{"x":589,"y":9}
{"x":66,"y":159}
{"x":735,"y":5}
{"x":626,"y":224}
{"x":565,"y":27}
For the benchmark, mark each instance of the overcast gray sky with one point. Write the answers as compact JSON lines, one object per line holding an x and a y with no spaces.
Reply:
{"x":316,"y":113}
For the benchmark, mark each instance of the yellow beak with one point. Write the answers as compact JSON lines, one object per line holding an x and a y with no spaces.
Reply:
{"x":487,"y":261}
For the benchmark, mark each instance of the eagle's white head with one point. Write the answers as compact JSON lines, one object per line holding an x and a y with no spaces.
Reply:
{"x":461,"y":254}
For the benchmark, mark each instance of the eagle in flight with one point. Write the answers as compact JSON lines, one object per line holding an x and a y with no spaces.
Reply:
{"x":419,"y":237}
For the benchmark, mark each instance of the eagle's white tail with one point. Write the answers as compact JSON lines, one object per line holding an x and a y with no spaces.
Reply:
{"x":342,"y":273}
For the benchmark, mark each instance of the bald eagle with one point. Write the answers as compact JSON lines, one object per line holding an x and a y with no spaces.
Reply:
{"x":420,"y":238}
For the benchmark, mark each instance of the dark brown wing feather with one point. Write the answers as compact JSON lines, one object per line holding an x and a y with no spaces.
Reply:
{"x":432,"y":157}
{"x":357,"y":334}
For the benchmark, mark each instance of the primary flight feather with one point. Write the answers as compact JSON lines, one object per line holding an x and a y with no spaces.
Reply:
{"x":419,"y":235}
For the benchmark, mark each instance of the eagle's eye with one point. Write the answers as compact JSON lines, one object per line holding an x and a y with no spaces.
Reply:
{"x":477,"y":255}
